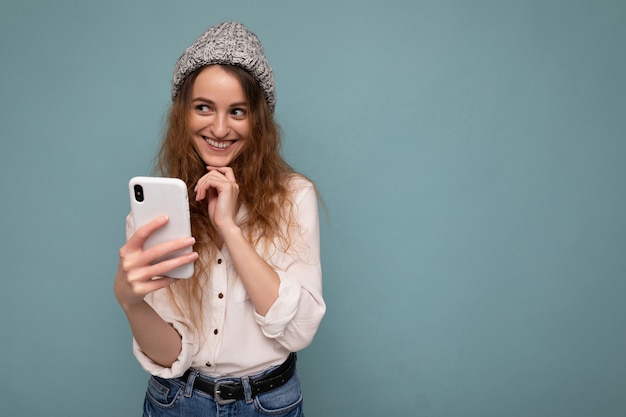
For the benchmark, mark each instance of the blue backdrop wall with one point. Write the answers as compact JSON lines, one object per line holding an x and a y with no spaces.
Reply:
{"x":471,"y":155}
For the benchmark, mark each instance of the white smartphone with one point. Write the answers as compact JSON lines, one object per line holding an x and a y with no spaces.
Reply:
{"x":151,"y":197}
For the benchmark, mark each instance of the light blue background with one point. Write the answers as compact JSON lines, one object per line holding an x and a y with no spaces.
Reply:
{"x":472,"y":156}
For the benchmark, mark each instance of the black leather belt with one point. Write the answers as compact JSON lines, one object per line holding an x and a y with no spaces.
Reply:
{"x":226,"y":392}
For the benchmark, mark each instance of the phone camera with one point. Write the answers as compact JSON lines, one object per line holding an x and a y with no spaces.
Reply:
{"x":138,"y":193}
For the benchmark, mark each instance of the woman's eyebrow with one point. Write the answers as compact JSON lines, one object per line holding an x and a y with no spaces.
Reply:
{"x":206,"y":100}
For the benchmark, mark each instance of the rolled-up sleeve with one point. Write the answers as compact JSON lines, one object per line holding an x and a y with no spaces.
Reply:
{"x":182,"y":363}
{"x":297,"y":313}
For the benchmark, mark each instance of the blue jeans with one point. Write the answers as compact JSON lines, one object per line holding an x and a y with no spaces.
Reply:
{"x":177,"y":398}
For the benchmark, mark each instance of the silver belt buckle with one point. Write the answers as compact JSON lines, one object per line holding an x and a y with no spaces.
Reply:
{"x":217,"y":394}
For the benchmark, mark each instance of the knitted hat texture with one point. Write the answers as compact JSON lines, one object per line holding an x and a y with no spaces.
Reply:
{"x":229,"y":43}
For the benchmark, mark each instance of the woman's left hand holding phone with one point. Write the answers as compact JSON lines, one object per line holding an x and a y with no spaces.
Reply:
{"x":136,"y":273}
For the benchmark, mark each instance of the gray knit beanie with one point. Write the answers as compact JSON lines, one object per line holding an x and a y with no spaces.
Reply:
{"x":228,"y":43}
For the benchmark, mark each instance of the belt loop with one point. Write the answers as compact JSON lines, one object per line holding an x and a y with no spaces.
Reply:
{"x":190,"y":382}
{"x":247,"y":389}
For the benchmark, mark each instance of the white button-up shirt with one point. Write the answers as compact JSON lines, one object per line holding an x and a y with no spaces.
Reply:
{"x":237,"y":341}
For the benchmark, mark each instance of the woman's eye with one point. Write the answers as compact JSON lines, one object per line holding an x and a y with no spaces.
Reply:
{"x":239,"y":113}
{"x":202,"y":108}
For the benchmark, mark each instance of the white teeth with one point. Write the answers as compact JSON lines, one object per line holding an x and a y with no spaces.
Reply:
{"x":216,"y":144}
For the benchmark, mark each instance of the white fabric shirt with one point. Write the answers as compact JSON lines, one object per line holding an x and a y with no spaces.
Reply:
{"x":237,"y":340}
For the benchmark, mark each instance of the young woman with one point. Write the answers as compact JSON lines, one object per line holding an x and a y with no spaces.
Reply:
{"x":224,"y":341}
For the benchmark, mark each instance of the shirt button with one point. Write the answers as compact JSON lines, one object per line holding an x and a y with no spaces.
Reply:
{"x":215,"y":331}
{"x":219,"y":261}
{"x":220,"y":295}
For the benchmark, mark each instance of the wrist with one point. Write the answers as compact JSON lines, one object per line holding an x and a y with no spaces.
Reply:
{"x":131,"y":308}
{"x":231,"y":232}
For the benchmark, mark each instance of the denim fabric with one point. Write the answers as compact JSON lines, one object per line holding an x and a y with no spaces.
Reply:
{"x":176,"y":398}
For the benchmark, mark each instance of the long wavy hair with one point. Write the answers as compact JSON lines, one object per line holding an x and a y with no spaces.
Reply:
{"x":260,"y":170}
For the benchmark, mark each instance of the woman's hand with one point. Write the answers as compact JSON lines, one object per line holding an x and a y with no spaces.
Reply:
{"x":222,"y":190}
{"x":135,"y":276}
{"x":260,"y":280}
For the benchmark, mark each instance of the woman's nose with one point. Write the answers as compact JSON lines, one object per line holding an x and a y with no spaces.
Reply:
{"x":220,"y":127}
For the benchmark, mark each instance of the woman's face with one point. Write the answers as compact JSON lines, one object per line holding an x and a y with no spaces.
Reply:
{"x":219,"y":120}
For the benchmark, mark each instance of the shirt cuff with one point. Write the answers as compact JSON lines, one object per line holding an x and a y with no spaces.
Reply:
{"x":178,"y":368}
{"x":283,"y":310}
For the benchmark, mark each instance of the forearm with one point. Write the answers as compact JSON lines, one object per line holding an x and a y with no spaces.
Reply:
{"x":156,"y":338}
{"x":260,"y":279}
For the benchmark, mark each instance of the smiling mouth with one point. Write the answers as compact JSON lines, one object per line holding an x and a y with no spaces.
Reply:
{"x":219,"y":144}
